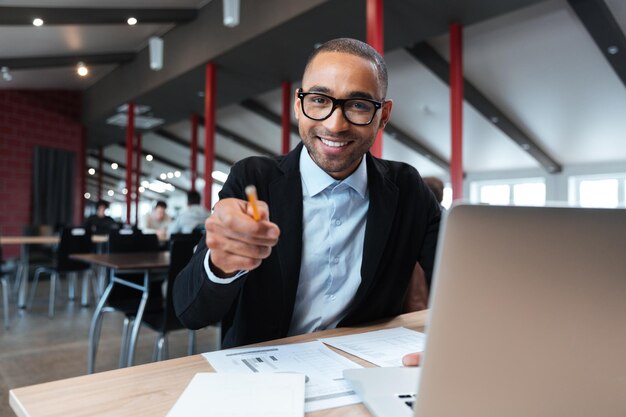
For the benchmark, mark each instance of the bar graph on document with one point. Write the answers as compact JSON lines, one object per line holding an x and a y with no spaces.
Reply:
{"x":324,"y":383}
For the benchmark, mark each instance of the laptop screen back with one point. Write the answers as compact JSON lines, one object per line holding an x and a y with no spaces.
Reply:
{"x":528,"y":315}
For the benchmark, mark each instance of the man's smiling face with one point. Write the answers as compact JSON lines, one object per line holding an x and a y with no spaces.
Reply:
{"x":336,"y":145}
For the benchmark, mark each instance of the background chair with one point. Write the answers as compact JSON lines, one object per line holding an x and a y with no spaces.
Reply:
{"x":73,"y":240}
{"x":164,"y":321}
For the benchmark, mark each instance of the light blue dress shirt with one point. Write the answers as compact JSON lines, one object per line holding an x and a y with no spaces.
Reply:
{"x":334,"y":215}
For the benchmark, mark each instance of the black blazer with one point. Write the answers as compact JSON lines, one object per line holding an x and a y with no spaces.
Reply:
{"x":402,"y":228}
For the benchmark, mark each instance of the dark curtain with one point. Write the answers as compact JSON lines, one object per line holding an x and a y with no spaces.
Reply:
{"x":53,"y":186}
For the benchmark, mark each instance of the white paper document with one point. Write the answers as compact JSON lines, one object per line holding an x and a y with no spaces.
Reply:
{"x":241,"y":395}
{"x":322,"y":368}
{"x":380,"y":347}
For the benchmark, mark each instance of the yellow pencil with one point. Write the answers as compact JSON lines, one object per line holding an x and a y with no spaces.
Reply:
{"x":252,"y":199}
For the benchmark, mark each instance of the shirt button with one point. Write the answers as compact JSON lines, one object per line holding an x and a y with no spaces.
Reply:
{"x":337,"y":222}
{"x":336,"y":260}
{"x":332,"y":297}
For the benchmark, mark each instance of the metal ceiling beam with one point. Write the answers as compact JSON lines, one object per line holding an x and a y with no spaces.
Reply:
{"x":182,"y":142}
{"x":605,"y":31}
{"x":229,"y":134}
{"x":261,"y":110}
{"x":440,"y":67}
{"x":66,"y":61}
{"x":92,"y":16}
{"x":417,"y":146}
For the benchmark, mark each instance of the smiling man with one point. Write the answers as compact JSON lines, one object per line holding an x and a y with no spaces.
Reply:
{"x":344,"y":238}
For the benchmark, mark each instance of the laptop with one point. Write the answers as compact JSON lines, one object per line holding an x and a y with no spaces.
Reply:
{"x":528,"y":318}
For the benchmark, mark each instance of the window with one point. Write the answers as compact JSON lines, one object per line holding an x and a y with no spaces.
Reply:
{"x":606,"y":190}
{"x":518,"y":192}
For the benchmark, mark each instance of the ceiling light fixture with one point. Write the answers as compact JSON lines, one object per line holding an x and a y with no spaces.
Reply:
{"x":82,"y":70}
{"x":37,"y":22}
{"x":114,"y":165}
{"x":231,"y":13}
{"x":149,"y":157}
{"x":131,"y":21}
{"x":91,"y":171}
{"x":87,"y":196}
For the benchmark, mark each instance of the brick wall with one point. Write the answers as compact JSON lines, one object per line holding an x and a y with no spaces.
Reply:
{"x":30,"y":118}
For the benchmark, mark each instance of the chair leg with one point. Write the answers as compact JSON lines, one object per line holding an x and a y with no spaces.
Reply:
{"x":124,"y":342}
{"x":53,"y":286}
{"x":71,"y":286}
{"x":18,"y":278}
{"x":159,"y":348}
{"x":33,"y":289}
{"x":191,"y":342}
{"x":5,"y":302}
{"x":84,"y":292}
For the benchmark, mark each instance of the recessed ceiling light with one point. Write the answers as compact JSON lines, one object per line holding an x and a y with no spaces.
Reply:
{"x":149,"y":157}
{"x":91,"y":171}
{"x":87,"y":196}
{"x":37,"y":22}
{"x":177,"y":174}
{"x":124,"y":191}
{"x":131,"y":21}
{"x":170,"y":175}
{"x":82,"y":70}
{"x":114,"y":165}
{"x":142,"y":189}
{"x":163,"y":176}
{"x":111,"y":193}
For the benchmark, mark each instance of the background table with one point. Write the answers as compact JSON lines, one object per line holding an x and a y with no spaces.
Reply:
{"x":143,"y":262}
{"x":152,"y":389}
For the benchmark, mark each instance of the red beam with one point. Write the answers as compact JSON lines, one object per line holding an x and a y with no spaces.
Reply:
{"x":209,"y":132}
{"x":135,"y":189}
{"x":375,"y":37}
{"x":286,"y":119}
{"x":456,"y":109}
{"x":100,"y":163}
{"x":130,"y":134}
{"x":194,"y":151}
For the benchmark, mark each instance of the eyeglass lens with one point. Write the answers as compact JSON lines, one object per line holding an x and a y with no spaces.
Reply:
{"x":319,"y":107}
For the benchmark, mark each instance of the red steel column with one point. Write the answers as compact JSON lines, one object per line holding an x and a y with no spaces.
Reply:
{"x":100,"y":164}
{"x":209,"y":132}
{"x":137,"y":177}
{"x":456,"y":109}
{"x":194,"y":151}
{"x":286,"y":119}
{"x":375,"y":37}
{"x":130,"y":134}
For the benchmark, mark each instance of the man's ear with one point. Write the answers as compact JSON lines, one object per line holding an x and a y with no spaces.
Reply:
{"x":296,"y":105}
{"x":386,"y":113}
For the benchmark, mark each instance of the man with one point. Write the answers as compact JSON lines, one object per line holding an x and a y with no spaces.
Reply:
{"x":191,"y":217}
{"x":100,"y":223}
{"x":158,"y":220}
{"x":353,"y":229}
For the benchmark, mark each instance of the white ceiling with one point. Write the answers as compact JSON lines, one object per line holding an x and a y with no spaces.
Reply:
{"x":538,"y":65}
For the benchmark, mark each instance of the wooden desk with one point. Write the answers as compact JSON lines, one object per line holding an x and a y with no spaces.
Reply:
{"x":152,"y":389}
{"x":143,"y":262}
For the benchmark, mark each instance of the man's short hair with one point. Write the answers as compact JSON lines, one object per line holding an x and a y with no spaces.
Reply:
{"x":103,"y":203}
{"x":357,"y":48}
{"x":161,"y":203}
{"x":193,"y":198}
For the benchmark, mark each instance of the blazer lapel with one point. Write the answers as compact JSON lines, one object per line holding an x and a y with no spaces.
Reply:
{"x":382,"y":207}
{"x":285,"y":195}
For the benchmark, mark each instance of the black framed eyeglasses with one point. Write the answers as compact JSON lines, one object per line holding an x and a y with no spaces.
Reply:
{"x":358,"y":111}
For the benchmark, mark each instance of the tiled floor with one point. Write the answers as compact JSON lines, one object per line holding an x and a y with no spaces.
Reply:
{"x":36,"y":349}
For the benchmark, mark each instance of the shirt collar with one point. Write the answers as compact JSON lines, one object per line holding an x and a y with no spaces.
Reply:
{"x":316,"y":180}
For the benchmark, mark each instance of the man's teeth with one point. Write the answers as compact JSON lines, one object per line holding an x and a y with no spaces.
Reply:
{"x":333,"y":144}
